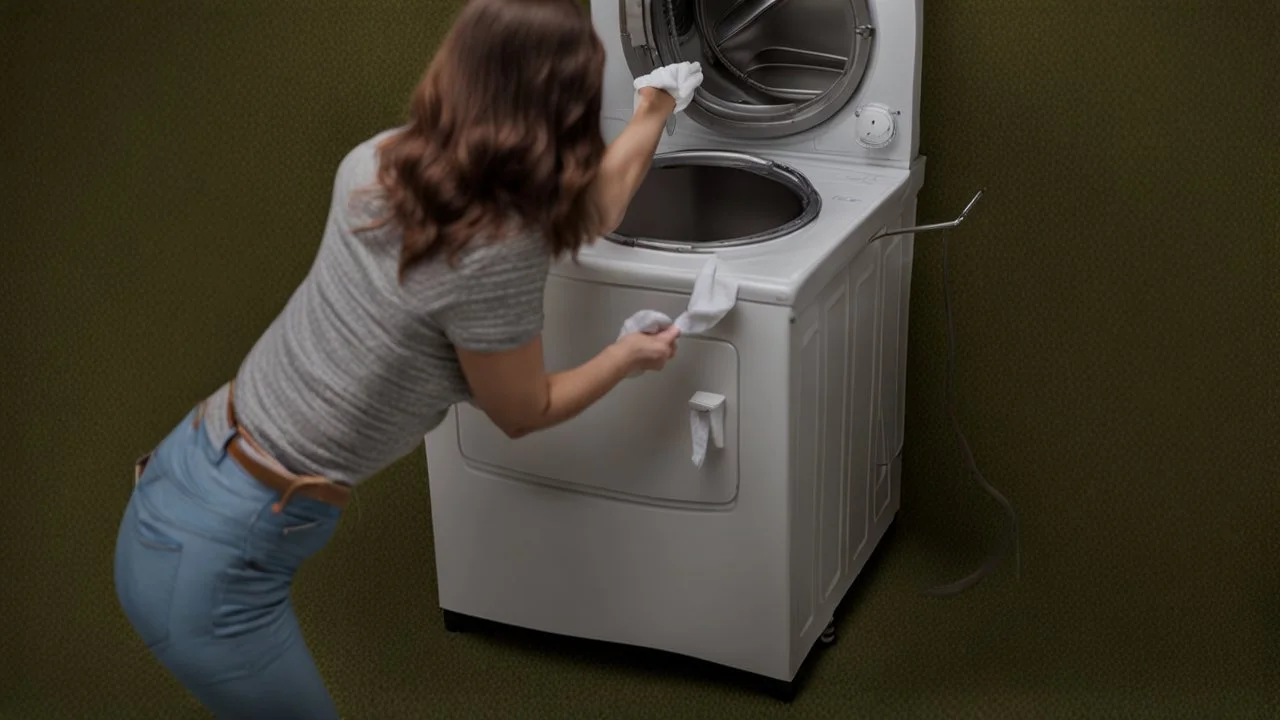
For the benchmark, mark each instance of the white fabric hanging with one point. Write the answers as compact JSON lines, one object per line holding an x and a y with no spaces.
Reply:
{"x":712,"y":298}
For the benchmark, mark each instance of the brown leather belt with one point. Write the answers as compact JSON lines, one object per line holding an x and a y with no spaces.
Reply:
{"x":287,"y":484}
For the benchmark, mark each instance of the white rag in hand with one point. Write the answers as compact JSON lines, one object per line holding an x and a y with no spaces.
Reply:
{"x":712,"y":298}
{"x":680,"y":80}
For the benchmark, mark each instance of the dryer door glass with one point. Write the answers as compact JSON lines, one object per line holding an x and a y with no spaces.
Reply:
{"x":771,"y":68}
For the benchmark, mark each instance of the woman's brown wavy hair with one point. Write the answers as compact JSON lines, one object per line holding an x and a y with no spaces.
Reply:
{"x":504,"y":133}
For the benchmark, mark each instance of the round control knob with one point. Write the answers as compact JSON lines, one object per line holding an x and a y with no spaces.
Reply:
{"x":875,"y":126}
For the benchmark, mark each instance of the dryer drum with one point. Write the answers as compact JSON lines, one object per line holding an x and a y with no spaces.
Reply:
{"x":771,"y":68}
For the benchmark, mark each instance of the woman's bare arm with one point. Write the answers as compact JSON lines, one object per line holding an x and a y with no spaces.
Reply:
{"x":515,"y":391}
{"x":517,"y":394}
{"x":627,"y":159}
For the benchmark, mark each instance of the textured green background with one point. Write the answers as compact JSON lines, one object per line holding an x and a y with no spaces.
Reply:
{"x":165,"y":173}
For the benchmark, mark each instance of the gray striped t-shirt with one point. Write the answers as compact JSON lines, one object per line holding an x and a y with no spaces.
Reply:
{"x":359,"y":366}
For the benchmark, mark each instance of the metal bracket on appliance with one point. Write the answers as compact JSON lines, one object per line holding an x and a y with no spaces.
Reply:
{"x":865,"y":31}
{"x":931,"y":228}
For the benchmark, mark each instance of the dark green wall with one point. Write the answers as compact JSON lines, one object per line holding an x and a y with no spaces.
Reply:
{"x":166,"y":170}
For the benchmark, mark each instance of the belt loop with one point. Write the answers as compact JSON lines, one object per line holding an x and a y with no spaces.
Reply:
{"x":231,"y":404}
{"x":140,"y":467}
{"x":233,"y":426}
{"x":217,"y":446}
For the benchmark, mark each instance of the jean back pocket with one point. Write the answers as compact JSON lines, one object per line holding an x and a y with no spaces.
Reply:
{"x":146,"y":575}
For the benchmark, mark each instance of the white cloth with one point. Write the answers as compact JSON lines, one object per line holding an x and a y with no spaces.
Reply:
{"x":712,"y":298}
{"x":680,"y":80}
{"x":700,"y":432}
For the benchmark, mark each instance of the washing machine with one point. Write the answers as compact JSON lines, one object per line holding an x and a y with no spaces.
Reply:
{"x":800,"y":148}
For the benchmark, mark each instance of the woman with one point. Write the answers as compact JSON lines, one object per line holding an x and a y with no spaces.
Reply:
{"x":426,"y":291}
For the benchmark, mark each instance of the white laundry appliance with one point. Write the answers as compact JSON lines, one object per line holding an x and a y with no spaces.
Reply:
{"x":800,"y":147}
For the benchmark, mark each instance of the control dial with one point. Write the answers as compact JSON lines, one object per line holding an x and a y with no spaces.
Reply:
{"x":876,"y":126}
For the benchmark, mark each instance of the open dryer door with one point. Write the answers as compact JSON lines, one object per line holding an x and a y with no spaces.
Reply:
{"x":771,"y":68}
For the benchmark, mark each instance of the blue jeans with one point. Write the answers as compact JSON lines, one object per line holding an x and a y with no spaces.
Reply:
{"x":203,"y":569}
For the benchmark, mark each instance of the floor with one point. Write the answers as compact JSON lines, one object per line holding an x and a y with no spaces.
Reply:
{"x":1009,"y":648}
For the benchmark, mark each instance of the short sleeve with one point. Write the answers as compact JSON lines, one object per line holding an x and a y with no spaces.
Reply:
{"x":496,"y":303}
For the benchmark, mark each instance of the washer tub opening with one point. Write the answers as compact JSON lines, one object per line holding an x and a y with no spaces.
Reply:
{"x":703,"y":200}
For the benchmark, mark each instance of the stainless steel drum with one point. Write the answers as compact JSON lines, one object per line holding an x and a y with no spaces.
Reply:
{"x":701,"y":200}
{"x":771,"y":68}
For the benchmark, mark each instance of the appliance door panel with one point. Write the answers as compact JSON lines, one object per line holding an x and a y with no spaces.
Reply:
{"x":636,"y":442}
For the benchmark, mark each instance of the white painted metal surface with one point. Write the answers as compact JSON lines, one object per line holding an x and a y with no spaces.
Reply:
{"x":602,"y":528}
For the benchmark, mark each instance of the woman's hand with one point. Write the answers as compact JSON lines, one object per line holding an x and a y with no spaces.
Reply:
{"x":679,"y":80}
{"x":648,"y":351}
{"x":651,"y":100}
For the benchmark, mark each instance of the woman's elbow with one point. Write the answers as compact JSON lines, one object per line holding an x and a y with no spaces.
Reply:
{"x":516,"y":427}
{"x":608,"y":218}
{"x":612,"y":223}
{"x":515,"y":432}
{"x":517,"y":413}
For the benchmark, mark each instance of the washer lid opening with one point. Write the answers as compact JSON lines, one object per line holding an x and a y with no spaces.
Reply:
{"x":704,"y":200}
{"x":771,"y":68}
